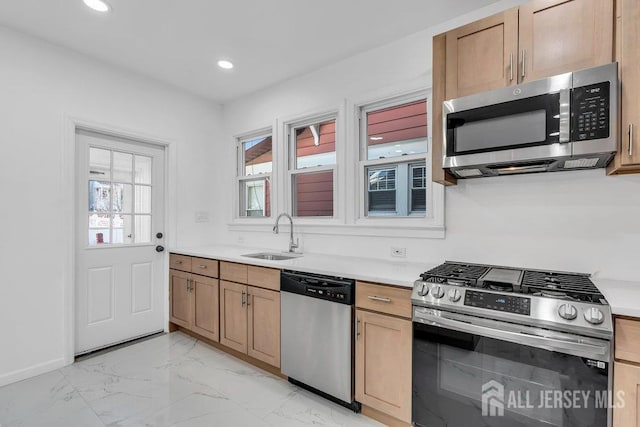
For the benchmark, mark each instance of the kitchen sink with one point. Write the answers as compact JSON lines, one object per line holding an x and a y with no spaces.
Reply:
{"x":273,"y":256}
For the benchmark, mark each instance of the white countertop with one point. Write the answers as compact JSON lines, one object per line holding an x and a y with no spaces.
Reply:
{"x":623,"y":296}
{"x":368,"y":269}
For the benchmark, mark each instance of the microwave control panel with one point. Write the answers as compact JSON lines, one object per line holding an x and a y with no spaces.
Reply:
{"x":590,"y":112}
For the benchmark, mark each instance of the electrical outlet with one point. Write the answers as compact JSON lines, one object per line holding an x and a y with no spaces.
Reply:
{"x":202,"y":216}
{"x":398,"y":252}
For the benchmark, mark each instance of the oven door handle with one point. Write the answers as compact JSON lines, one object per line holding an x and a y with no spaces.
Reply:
{"x":582,"y":347}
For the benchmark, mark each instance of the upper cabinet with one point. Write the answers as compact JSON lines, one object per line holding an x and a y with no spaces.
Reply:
{"x":559,"y":36}
{"x":482,"y":55}
{"x":539,"y":39}
{"x":628,"y":55}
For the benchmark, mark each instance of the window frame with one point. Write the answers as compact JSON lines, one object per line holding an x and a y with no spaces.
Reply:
{"x":241,"y":177}
{"x":433,"y":217}
{"x":291,"y":170}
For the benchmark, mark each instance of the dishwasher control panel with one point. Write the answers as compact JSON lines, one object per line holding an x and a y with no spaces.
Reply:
{"x":333,"y":289}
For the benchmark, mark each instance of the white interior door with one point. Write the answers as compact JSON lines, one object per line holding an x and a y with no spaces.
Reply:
{"x":120,"y":213}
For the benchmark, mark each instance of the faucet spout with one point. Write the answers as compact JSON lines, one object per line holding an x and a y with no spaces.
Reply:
{"x":292,"y":245}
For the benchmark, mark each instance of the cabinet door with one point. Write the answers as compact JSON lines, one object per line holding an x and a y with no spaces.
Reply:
{"x":233,"y":316}
{"x":264,"y":325}
{"x":627,"y":379}
{"x":482,"y":55}
{"x":630,"y":77}
{"x":558,"y":36}
{"x":383,"y":364}
{"x":204,"y":298}
{"x":179,"y":298}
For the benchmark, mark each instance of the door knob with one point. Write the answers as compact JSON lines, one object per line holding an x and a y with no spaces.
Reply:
{"x":159,"y":248}
{"x":159,"y":235}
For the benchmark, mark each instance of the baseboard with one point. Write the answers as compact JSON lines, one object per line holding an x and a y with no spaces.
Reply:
{"x":32,"y":371}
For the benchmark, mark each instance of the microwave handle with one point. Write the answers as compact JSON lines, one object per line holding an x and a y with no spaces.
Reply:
{"x":565,"y":116}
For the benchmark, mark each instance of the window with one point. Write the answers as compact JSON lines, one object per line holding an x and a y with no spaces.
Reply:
{"x":312,"y":164}
{"x":119,"y":197}
{"x":255,"y":165}
{"x":392,"y":158}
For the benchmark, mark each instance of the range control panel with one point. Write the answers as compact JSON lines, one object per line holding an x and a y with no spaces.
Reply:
{"x":590,"y":112}
{"x":499,"y":302}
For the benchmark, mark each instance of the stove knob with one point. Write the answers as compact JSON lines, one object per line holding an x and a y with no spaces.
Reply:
{"x":437,"y":292}
{"x":594,"y":316}
{"x":423,"y":289}
{"x":567,"y":311}
{"x":455,"y":295}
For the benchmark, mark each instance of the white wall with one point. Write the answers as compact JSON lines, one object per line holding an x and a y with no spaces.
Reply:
{"x":39,"y":85}
{"x":578,"y":221}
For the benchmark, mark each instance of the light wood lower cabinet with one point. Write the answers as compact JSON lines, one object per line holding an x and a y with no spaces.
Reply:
{"x":194,"y":303}
{"x":627,"y":380}
{"x":233,"y":316}
{"x":250,"y":321}
{"x":204,"y":300}
{"x":263,"y":325}
{"x":180,"y":298}
{"x":383,"y":363}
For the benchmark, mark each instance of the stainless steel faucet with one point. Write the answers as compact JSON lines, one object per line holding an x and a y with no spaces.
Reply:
{"x":292,"y":245}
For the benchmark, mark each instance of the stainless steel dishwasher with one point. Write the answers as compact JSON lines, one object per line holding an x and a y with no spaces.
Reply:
{"x":317,"y":316}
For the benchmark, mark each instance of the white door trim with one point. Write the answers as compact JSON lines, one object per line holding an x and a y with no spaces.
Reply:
{"x":67,"y":189}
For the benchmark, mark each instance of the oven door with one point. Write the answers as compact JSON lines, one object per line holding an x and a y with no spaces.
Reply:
{"x":469,"y":371}
{"x":517,"y":124}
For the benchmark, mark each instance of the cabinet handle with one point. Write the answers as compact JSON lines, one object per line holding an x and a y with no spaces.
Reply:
{"x":511,"y":66}
{"x":631,"y":140}
{"x":358,"y":328}
{"x":248,"y":299}
{"x":202,"y":266}
{"x":244,"y":295}
{"x":178,"y":262}
{"x":381,"y":299}
{"x":524,"y":63}
{"x":192,"y":285}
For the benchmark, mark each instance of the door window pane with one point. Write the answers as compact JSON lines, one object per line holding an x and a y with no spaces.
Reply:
{"x":315,"y":145}
{"x":397,"y":131}
{"x":313,"y":193}
{"x":99,"y":163}
{"x":142,"y":170}
{"x":122,"y":229}
{"x":143,"y":199}
{"x":143,"y":228}
{"x":99,"y":229}
{"x":255,"y":198}
{"x":99,"y":196}
{"x":122,"y":166}
{"x":258,"y":155}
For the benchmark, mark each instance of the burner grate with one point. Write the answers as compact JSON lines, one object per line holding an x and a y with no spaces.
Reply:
{"x":573,"y":285}
{"x":456,"y":270}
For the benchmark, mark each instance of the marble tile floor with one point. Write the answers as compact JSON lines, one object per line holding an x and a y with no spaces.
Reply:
{"x":170,"y":380}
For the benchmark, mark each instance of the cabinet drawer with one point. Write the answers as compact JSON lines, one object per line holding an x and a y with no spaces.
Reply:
{"x":263,"y":277}
{"x":204,"y":267}
{"x":385,"y":299}
{"x":233,"y":272}
{"x":180,"y":262}
{"x":627,"y":340}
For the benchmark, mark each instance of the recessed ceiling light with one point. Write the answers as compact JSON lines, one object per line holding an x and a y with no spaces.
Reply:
{"x":376,"y":138}
{"x":97,"y":5}
{"x":225,"y":65}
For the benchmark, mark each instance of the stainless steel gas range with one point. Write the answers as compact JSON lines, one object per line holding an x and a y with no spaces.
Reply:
{"x":503,"y":346}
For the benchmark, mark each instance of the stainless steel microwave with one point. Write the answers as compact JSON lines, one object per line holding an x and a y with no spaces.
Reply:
{"x":565,"y":122}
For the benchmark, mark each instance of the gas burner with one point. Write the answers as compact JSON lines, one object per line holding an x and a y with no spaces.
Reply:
{"x":554,"y":295}
{"x":499,"y":287}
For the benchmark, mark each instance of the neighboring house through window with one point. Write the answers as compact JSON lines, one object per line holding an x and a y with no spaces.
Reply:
{"x":255,"y":165}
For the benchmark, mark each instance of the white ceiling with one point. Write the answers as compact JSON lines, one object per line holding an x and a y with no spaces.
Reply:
{"x":179,"y":41}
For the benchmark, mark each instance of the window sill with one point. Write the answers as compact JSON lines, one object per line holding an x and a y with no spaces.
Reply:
{"x":411,"y":228}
